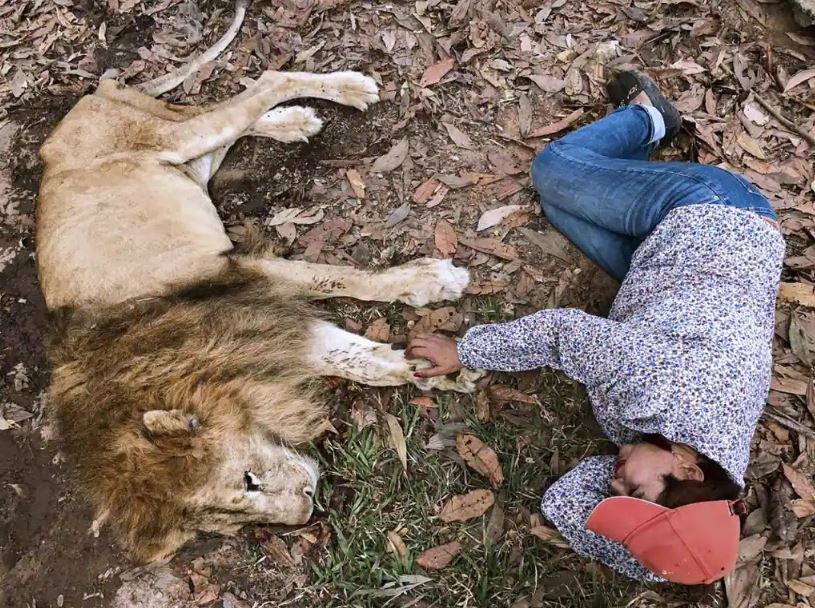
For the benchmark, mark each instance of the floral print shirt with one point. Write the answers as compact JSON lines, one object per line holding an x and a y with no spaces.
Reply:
{"x":685,"y":353}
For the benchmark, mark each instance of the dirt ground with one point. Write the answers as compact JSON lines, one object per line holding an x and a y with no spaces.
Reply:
{"x":50,"y":558}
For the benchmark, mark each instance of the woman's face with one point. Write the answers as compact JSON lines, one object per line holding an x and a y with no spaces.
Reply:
{"x":642,"y":467}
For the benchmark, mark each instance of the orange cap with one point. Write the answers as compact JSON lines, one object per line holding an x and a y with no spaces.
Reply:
{"x":692,"y":545}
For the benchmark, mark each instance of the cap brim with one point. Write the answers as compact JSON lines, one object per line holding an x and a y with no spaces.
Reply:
{"x":617,"y":517}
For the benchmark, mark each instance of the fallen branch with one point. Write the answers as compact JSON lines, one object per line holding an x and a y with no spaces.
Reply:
{"x":785,"y":122}
{"x":790,"y":424}
{"x":788,"y":124}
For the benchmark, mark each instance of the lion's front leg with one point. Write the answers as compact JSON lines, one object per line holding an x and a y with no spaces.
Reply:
{"x":336,"y":352}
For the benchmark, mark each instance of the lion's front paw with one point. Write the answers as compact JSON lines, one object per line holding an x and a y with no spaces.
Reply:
{"x":430,"y":280}
{"x":465,"y":382}
{"x":354,"y":89}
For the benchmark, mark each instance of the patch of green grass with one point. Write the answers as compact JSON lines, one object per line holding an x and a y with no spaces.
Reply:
{"x":367,"y":494}
{"x":489,"y":309}
{"x":366,"y":313}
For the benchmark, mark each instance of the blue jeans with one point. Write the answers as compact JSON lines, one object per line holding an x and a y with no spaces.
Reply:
{"x":598,"y":188}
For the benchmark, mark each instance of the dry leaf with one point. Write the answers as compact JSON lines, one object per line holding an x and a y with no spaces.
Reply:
{"x":504,"y":162}
{"x":710,"y":102}
{"x":481,"y":458}
{"x":398,"y":215}
{"x":455,"y":182}
{"x":279,"y":552}
{"x":423,"y":401}
{"x":802,"y":337}
{"x":751,"y":547}
{"x":549,"y":536}
{"x":801,"y":588}
{"x":798,"y":292}
{"x":741,"y":585}
{"x":799,"y":78}
{"x":486,"y":287}
{"x":296,"y":215}
{"x":284,"y":217}
{"x":551,"y":243}
{"x":493,"y":217}
{"x":397,"y":546}
{"x":790,"y":386}
{"x":309,"y":216}
{"x":504,"y":189}
{"x":393,"y":158}
{"x":547,"y":84}
{"x":524,"y":114}
{"x":287,"y":232}
{"x":436,"y":72}
{"x":230,"y":600}
{"x":467,"y":506}
{"x":356,"y":182}
{"x":754,"y":114}
{"x":397,"y":438}
{"x":423,"y":193}
{"x":438,"y":557}
{"x":437,"y":198}
{"x":445,"y":238}
{"x":6,"y":424}
{"x":751,"y":146}
{"x":482,"y":406}
{"x":506,"y":394}
{"x":556,"y":127}
{"x":690,"y":101}
{"x":688,"y":67}
{"x":447,"y":318}
{"x":802,"y":508}
{"x":379,"y":330}
{"x":783,"y":521}
{"x":800,"y":483}
{"x":459,"y":15}
{"x":459,"y":137}
{"x":495,"y":526}
{"x":491,"y":246}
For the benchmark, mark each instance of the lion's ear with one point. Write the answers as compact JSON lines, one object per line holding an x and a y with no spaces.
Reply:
{"x":170,"y":422}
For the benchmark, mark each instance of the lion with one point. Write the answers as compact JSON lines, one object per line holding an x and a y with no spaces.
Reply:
{"x":182,"y":365}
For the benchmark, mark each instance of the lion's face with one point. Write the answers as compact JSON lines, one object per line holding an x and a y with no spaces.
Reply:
{"x":255,"y":481}
{"x":181,"y":475}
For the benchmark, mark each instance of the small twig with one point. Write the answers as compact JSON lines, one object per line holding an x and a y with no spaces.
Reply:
{"x":790,"y":424}
{"x":789,"y":125}
{"x":786,"y":123}
{"x":809,"y":106}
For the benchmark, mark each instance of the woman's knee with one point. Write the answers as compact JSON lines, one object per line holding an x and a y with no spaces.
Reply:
{"x":545,"y":172}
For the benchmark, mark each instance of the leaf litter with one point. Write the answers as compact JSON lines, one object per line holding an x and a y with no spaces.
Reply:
{"x":467,"y":506}
{"x":481,"y":458}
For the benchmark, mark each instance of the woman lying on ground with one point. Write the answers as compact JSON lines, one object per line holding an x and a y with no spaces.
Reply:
{"x":678,"y":373}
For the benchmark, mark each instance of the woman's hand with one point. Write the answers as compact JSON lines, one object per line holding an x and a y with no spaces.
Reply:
{"x":439,"y":350}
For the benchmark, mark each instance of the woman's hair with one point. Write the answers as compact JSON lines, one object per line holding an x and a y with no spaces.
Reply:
{"x":716,"y":485}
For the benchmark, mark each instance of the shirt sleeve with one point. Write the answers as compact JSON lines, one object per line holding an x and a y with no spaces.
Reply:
{"x":568,"y":503}
{"x":564,"y":339}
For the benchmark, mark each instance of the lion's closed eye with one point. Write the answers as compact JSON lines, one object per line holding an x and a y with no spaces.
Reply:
{"x":251,"y":482}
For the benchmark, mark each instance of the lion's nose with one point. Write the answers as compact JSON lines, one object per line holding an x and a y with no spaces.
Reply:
{"x":308,"y":491}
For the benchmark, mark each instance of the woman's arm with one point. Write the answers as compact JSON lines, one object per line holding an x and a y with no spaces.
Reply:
{"x":565,"y":339}
{"x":569,"y":502}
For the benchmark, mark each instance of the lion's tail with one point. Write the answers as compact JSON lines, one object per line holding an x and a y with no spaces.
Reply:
{"x":167,"y":82}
